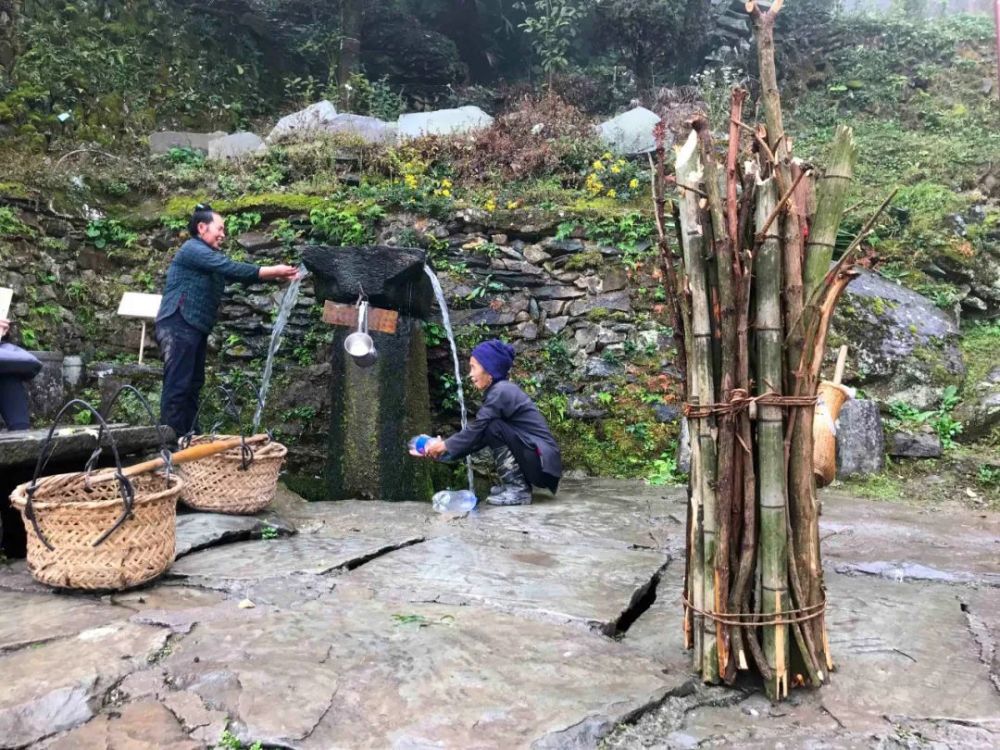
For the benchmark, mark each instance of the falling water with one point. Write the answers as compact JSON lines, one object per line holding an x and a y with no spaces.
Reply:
{"x":287,"y":303}
{"x":446,"y":319}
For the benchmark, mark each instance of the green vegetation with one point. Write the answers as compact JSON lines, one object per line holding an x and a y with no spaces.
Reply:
{"x":229,"y":741}
{"x":904,"y":416}
{"x":878,"y":487}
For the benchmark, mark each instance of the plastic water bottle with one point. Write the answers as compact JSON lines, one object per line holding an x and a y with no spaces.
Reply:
{"x":419,"y":443}
{"x":454,"y":501}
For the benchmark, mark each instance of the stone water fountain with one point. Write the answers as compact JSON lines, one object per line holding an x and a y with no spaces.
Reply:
{"x":375,"y":410}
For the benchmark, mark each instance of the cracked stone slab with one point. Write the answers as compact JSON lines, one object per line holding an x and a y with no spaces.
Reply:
{"x":908,"y":664}
{"x":197,"y":531}
{"x":14,"y":576}
{"x":904,"y":571}
{"x":54,"y":687}
{"x":902,"y":649}
{"x":348,"y":517}
{"x":982,"y":613}
{"x":595,"y":512}
{"x":377,"y":674}
{"x":862,"y":531}
{"x":140,"y":726}
{"x":592,"y":586}
{"x":659,"y":632}
{"x":275,"y":558}
{"x":29,"y":618}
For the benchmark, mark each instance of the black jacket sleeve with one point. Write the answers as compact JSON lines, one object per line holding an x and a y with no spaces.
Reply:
{"x":473,"y":437}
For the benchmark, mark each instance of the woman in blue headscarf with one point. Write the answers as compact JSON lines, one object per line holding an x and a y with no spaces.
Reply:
{"x":510,"y":425}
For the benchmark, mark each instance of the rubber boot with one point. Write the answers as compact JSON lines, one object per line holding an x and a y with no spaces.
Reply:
{"x":514,"y":488}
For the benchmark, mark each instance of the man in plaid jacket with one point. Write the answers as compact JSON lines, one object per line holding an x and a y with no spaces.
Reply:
{"x":196,"y":280}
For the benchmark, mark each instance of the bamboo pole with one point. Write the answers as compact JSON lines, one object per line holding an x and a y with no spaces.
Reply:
{"x":773,"y":540}
{"x":700,"y":391}
{"x":831,"y":197}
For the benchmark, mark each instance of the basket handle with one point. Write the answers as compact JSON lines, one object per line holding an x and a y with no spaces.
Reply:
{"x":125,"y":488}
{"x":164,"y":451}
{"x":231,"y":408}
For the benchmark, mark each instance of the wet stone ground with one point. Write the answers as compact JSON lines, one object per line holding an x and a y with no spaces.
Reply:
{"x":376,"y":625}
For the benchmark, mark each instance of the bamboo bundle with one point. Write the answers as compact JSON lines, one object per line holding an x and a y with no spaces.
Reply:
{"x":753,"y":589}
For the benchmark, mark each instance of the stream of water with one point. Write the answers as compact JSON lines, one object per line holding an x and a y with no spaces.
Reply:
{"x":284,"y":311}
{"x":446,"y":319}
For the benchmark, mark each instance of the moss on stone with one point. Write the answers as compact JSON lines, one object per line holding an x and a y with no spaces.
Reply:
{"x":270,"y":204}
{"x":598,"y":314}
{"x":586,"y":260}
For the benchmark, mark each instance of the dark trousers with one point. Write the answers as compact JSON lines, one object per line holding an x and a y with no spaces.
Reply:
{"x":183,"y":348}
{"x":500,"y":434}
{"x":14,"y":403}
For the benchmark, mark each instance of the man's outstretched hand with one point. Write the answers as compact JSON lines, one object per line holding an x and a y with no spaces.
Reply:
{"x":278,"y":273}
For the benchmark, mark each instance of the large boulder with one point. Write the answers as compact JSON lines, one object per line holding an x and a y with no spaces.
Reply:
{"x":443,"y":122}
{"x":630,"y":132}
{"x":305,"y":123}
{"x":235,"y":146}
{"x":368,"y":129}
{"x":860,"y":439}
{"x":399,"y":50}
{"x":902,"y":347}
{"x":974,"y":272}
{"x":162,"y":141}
{"x":979,"y":412}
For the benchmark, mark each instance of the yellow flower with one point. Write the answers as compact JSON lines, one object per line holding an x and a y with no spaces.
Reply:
{"x":598,"y":166}
{"x":511,"y":205}
{"x":490,"y":205}
{"x":607,"y":155}
{"x":633,"y":183}
{"x":446,"y":183}
{"x":410,"y":180}
{"x":621,"y":162}
{"x":611,"y":193}
{"x":446,"y":193}
{"x":615,"y":169}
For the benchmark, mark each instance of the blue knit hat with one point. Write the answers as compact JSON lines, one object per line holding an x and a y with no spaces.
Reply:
{"x":496,"y":357}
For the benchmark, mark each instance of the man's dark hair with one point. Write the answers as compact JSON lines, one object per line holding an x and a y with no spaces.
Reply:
{"x":203,"y":214}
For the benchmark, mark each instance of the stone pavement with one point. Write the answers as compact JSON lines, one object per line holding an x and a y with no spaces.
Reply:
{"x":377,"y":625}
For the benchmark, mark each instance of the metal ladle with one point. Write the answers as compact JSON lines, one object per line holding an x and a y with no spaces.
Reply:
{"x":359,"y":344}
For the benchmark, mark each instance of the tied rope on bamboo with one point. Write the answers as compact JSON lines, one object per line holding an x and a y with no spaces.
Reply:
{"x":741,"y":400}
{"x":745,"y":619}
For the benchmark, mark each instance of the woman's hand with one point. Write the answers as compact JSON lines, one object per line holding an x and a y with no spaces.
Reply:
{"x":278,"y":273}
{"x":436,"y":448}
{"x":4,"y":327}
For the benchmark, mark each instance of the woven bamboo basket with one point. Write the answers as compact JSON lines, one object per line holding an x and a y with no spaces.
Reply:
{"x":73,"y":518}
{"x":226,"y":483}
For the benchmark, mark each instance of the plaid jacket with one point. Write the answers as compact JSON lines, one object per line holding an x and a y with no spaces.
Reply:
{"x":195,"y":282}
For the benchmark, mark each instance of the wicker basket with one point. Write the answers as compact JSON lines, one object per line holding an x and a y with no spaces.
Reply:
{"x":72,"y":519}
{"x":224,"y":483}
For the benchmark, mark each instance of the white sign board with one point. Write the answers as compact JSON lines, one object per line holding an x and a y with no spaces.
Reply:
{"x":6,"y":295}
{"x":139,"y":305}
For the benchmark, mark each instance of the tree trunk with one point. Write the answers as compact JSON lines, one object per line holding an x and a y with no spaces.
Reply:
{"x":643,"y":70}
{"x":9,"y":14}
{"x":349,"y":62}
{"x":694,"y":34}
